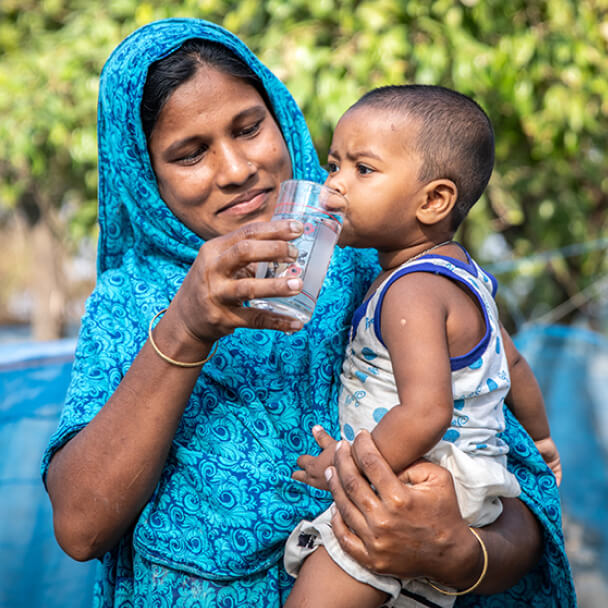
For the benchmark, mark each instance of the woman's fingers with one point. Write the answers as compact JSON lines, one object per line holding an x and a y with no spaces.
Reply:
{"x":210,"y":300}
{"x":352,"y":494}
{"x":227,"y":263}
{"x":258,"y":242}
{"x":356,"y":535}
{"x":398,"y":525}
{"x":349,"y":541}
{"x":421,"y":472}
{"x":256,"y":318}
{"x":375,"y":469}
{"x":241,"y":290}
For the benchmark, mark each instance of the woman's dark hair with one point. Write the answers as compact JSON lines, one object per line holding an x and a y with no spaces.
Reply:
{"x":166,"y":74}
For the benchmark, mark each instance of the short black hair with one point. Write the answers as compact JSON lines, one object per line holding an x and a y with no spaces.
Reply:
{"x":165,"y":75}
{"x":455,"y":141}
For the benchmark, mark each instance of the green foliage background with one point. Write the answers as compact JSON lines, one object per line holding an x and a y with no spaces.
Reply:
{"x":539,"y":68}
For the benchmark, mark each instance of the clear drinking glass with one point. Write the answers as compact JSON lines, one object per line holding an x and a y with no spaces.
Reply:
{"x":321,"y":210}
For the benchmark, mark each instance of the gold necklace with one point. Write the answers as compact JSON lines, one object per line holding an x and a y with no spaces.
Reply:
{"x":427,"y":251}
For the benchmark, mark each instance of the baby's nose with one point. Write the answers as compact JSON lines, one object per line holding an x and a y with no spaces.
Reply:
{"x":335,"y":183}
{"x":335,"y":200}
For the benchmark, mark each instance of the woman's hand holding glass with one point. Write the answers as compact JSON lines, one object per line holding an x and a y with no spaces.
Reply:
{"x":210,"y":302}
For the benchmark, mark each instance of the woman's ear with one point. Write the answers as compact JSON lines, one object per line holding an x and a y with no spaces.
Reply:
{"x":440,"y":196}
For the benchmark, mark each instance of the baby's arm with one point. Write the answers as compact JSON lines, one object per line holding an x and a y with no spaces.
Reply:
{"x":414,"y":330}
{"x":413,"y":326}
{"x":526,"y":402}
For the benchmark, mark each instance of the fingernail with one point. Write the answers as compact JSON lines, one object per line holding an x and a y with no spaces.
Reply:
{"x":293,"y":251}
{"x":296,"y":226}
{"x":296,"y":325}
{"x":316,"y":428}
{"x":328,"y":473}
{"x":294,"y":284}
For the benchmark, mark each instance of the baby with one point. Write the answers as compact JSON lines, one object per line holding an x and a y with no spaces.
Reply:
{"x":428,"y":365}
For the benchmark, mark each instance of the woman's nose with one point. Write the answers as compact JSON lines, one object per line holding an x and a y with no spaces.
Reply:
{"x":234,"y":167}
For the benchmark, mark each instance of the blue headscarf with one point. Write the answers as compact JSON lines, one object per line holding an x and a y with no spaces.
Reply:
{"x":225,"y":501}
{"x":130,"y":209}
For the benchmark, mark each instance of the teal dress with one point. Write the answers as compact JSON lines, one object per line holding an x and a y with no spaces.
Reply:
{"x":212,"y":533}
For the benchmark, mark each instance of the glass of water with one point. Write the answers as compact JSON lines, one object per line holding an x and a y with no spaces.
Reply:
{"x":321,"y":210}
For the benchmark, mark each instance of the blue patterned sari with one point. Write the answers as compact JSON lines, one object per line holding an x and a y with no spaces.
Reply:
{"x":212,"y":533}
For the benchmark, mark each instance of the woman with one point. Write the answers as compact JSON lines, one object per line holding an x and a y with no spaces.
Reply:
{"x":179,"y":477}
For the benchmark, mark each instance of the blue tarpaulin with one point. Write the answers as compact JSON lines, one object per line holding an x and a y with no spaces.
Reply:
{"x":34,"y":571}
{"x":571,"y":365}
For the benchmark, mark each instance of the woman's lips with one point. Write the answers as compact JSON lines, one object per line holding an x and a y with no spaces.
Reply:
{"x":246,"y":204}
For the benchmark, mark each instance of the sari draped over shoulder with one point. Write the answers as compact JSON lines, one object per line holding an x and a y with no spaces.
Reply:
{"x":212,"y":533}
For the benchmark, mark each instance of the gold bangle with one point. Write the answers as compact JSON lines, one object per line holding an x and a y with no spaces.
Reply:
{"x":481,"y":576}
{"x":168,"y":359}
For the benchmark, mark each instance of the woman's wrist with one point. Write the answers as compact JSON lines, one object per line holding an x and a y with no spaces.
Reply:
{"x":462,"y":560}
{"x":175,"y":342}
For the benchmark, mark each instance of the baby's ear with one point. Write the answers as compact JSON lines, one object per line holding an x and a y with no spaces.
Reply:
{"x":440,"y":196}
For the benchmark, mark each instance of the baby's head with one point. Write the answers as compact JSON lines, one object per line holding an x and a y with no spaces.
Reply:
{"x":406,"y":142}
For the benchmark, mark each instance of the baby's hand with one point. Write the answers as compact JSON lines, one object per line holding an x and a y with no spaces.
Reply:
{"x":313,"y":467}
{"x":548,"y":450}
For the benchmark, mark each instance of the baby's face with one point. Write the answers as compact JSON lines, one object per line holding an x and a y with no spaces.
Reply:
{"x":373,"y":164}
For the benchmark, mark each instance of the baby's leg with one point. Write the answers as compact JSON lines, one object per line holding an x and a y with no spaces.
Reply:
{"x":321,"y":582}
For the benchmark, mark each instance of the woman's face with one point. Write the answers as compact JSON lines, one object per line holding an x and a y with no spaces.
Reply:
{"x":218,"y":155}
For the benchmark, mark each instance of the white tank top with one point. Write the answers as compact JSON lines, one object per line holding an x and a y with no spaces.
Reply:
{"x":480,"y":379}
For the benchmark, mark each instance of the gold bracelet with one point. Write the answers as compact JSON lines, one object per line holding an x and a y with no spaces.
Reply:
{"x":168,"y":359}
{"x":481,"y":576}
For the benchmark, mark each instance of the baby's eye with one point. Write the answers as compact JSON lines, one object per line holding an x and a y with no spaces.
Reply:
{"x":364,"y":169}
{"x":332,"y":167}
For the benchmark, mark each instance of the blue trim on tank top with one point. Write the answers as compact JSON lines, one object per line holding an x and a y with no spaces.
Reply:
{"x":469,"y":267}
{"x":358,"y":315}
{"x":461,"y":361}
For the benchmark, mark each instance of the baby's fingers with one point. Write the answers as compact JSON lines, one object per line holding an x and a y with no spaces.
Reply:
{"x":323,"y":439}
{"x":300,"y":476}
{"x":556,"y":466}
{"x":305,"y":461}
{"x":309,"y":477}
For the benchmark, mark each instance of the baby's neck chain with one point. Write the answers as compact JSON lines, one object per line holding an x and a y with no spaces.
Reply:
{"x":428,"y":251}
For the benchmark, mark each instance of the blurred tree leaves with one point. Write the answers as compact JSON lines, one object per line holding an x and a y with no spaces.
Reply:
{"x":539,"y":68}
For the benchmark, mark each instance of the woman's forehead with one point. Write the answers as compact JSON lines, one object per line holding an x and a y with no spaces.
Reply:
{"x":210,"y":93}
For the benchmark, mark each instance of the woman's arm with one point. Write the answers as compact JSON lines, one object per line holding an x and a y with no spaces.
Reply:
{"x":411,"y":525}
{"x":99,"y":481}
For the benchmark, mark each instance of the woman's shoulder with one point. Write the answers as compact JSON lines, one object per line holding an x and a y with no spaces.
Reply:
{"x":363,"y":262}
{"x":129,"y":284}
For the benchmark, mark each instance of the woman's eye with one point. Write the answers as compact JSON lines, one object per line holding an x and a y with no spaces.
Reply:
{"x":189,"y":158}
{"x":251,"y":129}
{"x":332,"y":167}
